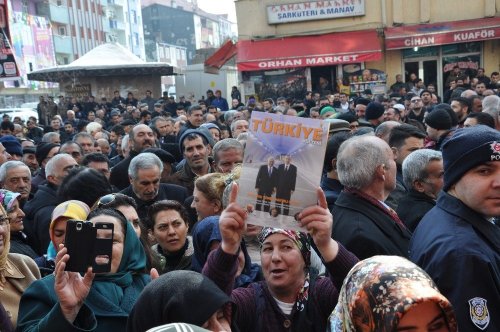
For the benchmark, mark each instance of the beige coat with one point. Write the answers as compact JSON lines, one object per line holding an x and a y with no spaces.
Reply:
{"x":20,"y":273}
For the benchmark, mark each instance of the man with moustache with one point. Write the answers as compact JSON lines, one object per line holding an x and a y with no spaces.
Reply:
{"x":141,"y":137}
{"x":144,"y":174}
{"x":16,"y":177}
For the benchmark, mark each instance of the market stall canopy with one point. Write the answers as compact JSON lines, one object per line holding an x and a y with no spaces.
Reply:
{"x":109,"y":59}
{"x":422,"y":35}
{"x":309,"y":51}
{"x":220,"y":57}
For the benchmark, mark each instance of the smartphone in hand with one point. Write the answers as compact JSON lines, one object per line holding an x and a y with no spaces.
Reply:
{"x":89,"y":245}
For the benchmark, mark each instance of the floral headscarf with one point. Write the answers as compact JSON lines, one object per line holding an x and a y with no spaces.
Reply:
{"x":379,"y":290}
{"x":302,"y":242}
{"x":8,"y":198}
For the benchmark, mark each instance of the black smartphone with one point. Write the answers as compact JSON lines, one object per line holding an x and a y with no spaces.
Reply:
{"x":89,"y":245}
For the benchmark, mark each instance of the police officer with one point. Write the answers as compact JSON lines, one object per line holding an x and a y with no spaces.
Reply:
{"x":457,"y":242}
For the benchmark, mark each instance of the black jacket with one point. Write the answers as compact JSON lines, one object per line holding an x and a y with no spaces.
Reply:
{"x":365,"y":230}
{"x":19,"y":245}
{"x":413,"y":207}
{"x":38,"y":215}
{"x":166,"y":191}
{"x":460,"y":250}
{"x":119,"y":173}
{"x":332,"y":189}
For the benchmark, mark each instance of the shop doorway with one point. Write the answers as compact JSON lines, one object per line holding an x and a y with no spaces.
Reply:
{"x":424,"y":68}
{"x":323,"y":79}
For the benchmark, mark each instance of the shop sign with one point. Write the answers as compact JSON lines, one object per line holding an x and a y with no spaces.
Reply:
{"x":77,"y":90}
{"x":314,"y":10}
{"x":449,"y":37}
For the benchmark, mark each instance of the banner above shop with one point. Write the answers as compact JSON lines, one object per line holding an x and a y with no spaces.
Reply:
{"x":8,"y":66}
{"x":423,"y":35}
{"x":314,"y":10}
{"x":308,"y":51}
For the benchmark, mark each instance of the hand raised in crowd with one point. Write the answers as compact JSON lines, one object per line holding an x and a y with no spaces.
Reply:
{"x":71,"y":288}
{"x":232,"y":224}
{"x":318,"y":221}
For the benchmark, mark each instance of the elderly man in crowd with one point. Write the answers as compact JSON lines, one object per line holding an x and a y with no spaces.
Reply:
{"x":16,"y":177}
{"x":423,"y":176}
{"x":362,"y":222}
{"x":39,"y":209}
{"x":144,"y":173}
{"x":85,"y":141}
{"x":456,"y":242}
{"x":141,"y":137}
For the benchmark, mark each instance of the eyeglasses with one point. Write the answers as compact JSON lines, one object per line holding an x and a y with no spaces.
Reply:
{"x":416,"y":100}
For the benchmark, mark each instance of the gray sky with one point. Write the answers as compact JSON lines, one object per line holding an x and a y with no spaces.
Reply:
{"x":219,"y":7}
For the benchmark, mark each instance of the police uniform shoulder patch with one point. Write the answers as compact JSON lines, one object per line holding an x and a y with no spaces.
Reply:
{"x":479,"y":313}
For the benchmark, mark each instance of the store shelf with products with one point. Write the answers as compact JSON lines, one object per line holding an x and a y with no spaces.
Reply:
{"x":377,"y":87}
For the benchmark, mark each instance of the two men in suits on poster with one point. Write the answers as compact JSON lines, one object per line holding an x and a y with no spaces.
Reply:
{"x":280,"y":180}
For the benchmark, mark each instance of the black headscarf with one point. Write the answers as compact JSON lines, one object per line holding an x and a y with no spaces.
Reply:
{"x":177,"y":296}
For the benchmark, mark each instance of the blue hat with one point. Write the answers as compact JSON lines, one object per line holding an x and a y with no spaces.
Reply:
{"x":12,"y":145}
{"x":468,"y":148}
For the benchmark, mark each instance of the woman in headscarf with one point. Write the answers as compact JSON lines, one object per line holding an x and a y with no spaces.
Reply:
{"x":181,"y":297}
{"x":63,"y":212}
{"x":290,"y":298}
{"x":390,"y":293}
{"x":17,"y":271}
{"x":18,"y":239}
{"x":68,"y":301}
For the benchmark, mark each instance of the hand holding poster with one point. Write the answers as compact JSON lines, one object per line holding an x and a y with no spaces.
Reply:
{"x":281,"y":168}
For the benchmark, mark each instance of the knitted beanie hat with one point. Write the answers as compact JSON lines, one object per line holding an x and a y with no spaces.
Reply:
{"x":468,"y":148}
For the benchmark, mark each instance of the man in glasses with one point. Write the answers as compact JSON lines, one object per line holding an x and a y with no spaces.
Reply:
{"x":417,"y":110}
{"x":38,"y":210}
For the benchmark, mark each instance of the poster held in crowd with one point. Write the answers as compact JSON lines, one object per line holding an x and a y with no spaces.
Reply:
{"x":282,"y":168}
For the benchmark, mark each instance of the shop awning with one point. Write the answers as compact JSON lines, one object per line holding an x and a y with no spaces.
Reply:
{"x":220,"y":57}
{"x":308,"y":51}
{"x":422,"y":35}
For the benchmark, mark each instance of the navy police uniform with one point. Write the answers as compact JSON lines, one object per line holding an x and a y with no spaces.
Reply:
{"x":460,"y":250}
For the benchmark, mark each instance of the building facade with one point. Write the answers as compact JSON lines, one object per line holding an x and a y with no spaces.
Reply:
{"x":352,"y":45}
{"x":46,"y":33}
{"x":182,"y":23}
{"x":81,"y":25}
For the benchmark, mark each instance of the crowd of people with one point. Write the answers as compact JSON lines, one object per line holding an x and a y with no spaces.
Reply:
{"x":405,"y":234}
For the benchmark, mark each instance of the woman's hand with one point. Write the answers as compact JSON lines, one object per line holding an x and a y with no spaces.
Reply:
{"x":232,"y":224}
{"x":319,"y":222}
{"x":71,"y":288}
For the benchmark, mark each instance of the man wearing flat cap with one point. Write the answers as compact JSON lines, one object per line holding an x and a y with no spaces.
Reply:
{"x":457,"y":243}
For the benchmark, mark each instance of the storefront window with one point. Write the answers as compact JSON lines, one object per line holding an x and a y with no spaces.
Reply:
{"x":467,"y":56}
{"x":288,"y":83}
{"x":420,"y":52}
{"x":461,"y":48}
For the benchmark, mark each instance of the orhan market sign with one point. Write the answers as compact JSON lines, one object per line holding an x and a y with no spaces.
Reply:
{"x":314,"y":10}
